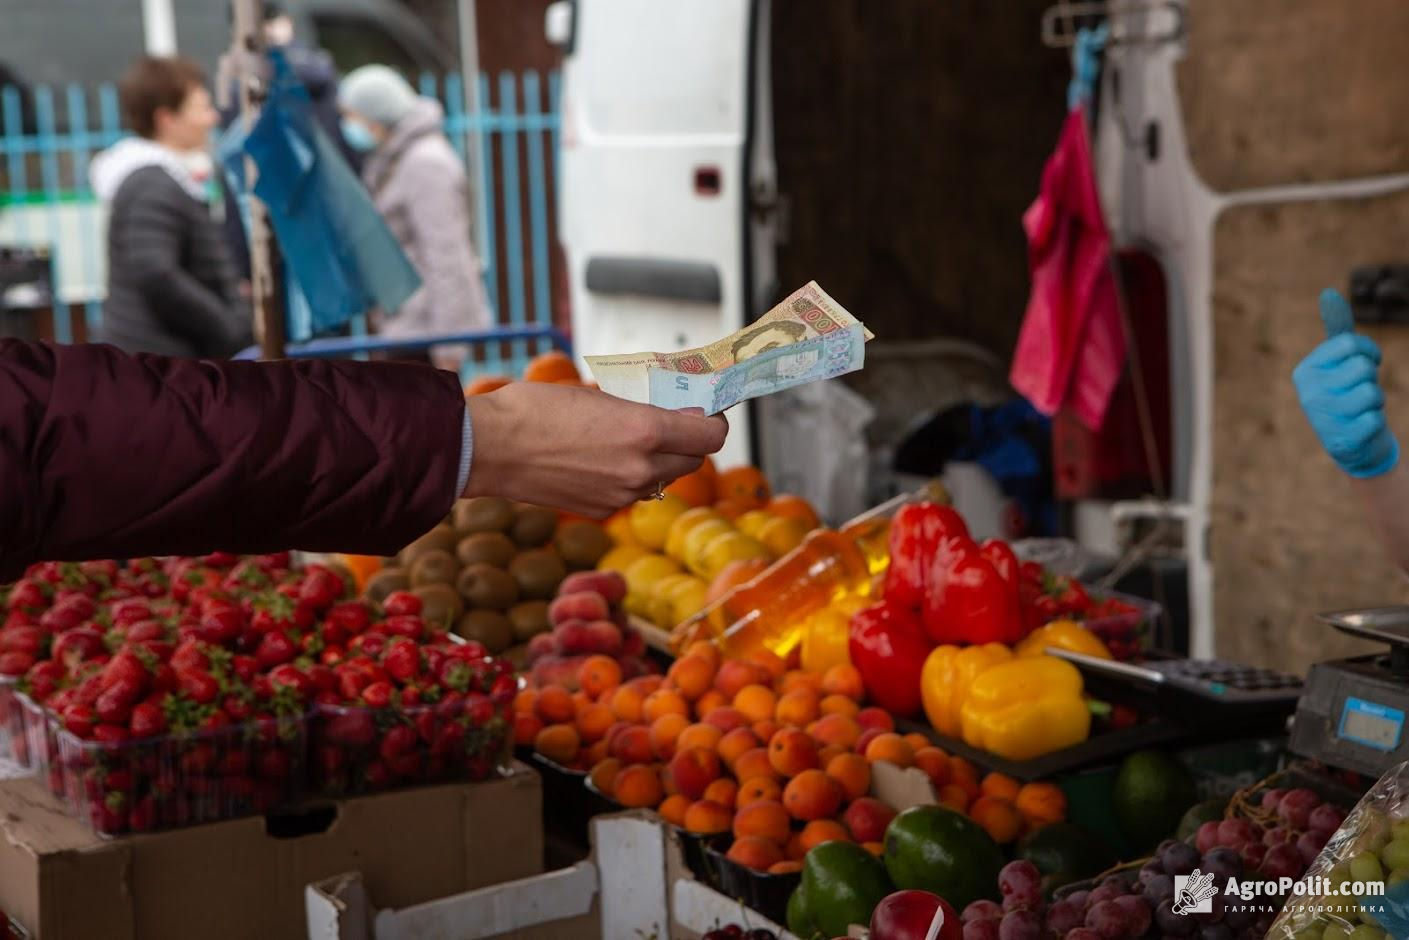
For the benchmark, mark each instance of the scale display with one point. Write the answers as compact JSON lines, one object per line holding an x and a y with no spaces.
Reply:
{"x":1370,"y":724}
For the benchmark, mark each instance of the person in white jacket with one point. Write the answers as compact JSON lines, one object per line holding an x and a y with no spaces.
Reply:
{"x":419,"y":186}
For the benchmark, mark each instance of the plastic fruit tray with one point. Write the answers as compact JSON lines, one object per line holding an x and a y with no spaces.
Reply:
{"x":181,"y":779}
{"x":360,"y":750}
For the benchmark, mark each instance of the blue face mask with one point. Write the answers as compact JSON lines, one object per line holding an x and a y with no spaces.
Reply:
{"x":357,"y":135}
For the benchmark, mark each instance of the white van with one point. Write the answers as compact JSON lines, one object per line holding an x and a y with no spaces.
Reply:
{"x":669,"y":210}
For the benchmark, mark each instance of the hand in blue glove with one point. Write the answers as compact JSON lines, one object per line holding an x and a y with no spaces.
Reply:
{"x":1341,"y":395}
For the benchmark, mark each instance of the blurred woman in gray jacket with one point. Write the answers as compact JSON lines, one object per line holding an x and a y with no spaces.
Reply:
{"x":419,"y":185}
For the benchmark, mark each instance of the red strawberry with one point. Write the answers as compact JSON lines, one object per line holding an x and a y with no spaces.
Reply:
{"x":290,"y":676}
{"x":275,"y":649}
{"x":322,"y":677}
{"x":222,"y":624}
{"x":110,"y":734}
{"x":371,"y":643}
{"x":402,"y":659}
{"x":189,"y":655}
{"x":408,"y":626}
{"x":244,"y":667}
{"x":405,"y":766}
{"x":275,"y":764}
{"x":147,"y":720}
{"x":402,"y":603}
{"x":79,"y":720}
{"x":198,"y":684}
{"x":114,"y":706}
{"x":320,"y":587}
{"x":27,"y":595}
{"x":143,"y":815}
{"x":77,"y":645}
{"x":236,"y":707}
{"x":125,"y":667}
{"x":22,"y":638}
{"x":351,"y":617}
{"x":332,"y":655}
{"x":377,"y":775}
{"x":352,"y":727}
{"x":15,"y":664}
{"x":378,"y":694}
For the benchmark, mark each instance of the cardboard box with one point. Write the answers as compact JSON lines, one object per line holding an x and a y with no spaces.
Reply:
{"x":246,"y":877}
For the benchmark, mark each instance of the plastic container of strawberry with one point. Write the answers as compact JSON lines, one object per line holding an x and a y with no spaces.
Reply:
{"x":1127,"y":629}
{"x":358,"y":749}
{"x":11,"y":724}
{"x":182,"y":778}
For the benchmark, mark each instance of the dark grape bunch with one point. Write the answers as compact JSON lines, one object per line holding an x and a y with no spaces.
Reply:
{"x":1304,"y":824}
{"x":1109,"y":912}
{"x":735,"y":932}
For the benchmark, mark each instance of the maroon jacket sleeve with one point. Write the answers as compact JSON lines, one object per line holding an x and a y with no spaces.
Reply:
{"x":109,"y":455}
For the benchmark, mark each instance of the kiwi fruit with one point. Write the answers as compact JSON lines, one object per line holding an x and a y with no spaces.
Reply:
{"x":490,"y":548}
{"x":487,"y":587}
{"x":436,"y":566}
{"x":581,"y":544}
{"x":386,"y":581}
{"x":538,"y":572}
{"x":533,"y":526}
{"x":482,"y":514}
{"x":528,"y":620}
{"x":489,"y":627}
{"x":441,"y":538}
{"x":440,"y":603}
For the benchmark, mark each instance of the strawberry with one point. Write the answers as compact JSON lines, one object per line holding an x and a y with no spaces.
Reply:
{"x":190,"y":655}
{"x":377,"y":775}
{"x":290,"y":676}
{"x":77,"y":645}
{"x":353,"y":728}
{"x":351,"y":681}
{"x":114,"y":706}
{"x":350,"y":617}
{"x":110,"y":734}
{"x":405,"y":766}
{"x":128,"y":669}
{"x":274,"y":561}
{"x":15,"y":664}
{"x":222,"y":624}
{"x":244,"y":667}
{"x":372,"y":643}
{"x":378,"y":694}
{"x":322,"y":677}
{"x":332,"y":655}
{"x":28,"y":595}
{"x":402,"y":603}
{"x":143,"y":815}
{"x":276,"y":648}
{"x":402,"y":659}
{"x":237,"y":708}
{"x":408,"y":626}
{"x":321,"y":587}
{"x":275,"y":764}
{"x":22,"y":638}
{"x":148,"y":720}
{"x":200,"y":685}
{"x":478,"y":709}
{"x":503,"y":689}
{"x":79,"y":720}
{"x":128,"y":612}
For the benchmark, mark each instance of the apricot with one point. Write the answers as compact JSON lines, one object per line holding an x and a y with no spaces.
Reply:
{"x":999,"y":818}
{"x":723,"y":791}
{"x":791,"y":752}
{"x":823,"y":830}
{"x":999,"y":785}
{"x":853,"y":772}
{"x":917,"y":740}
{"x":526,"y":728}
{"x":706,"y":818}
{"x":734,"y":674}
{"x":812,"y":795}
{"x":935,"y":763}
{"x":709,"y":702}
{"x":639,"y":786}
{"x":794,"y":849}
{"x":785,"y":867}
{"x":727,"y":718}
{"x":765,"y":818}
{"x":525,"y":701}
{"x":558,"y":743}
{"x":797,"y":679}
{"x":597,"y":674}
{"x":756,"y":853}
{"x":798,"y":708}
{"x":756,"y":702}
{"x":836,"y":729}
{"x":594,"y":721}
{"x":765,"y":729}
{"x":706,"y":650}
{"x":632,"y":746}
{"x":664,"y":702}
{"x":555,"y":705}
{"x":735,"y":743}
{"x":867,"y":736}
{"x":694,"y":769}
{"x":672,"y":808}
{"x":964,"y":774}
{"x":692,"y":675}
{"x":875,"y":718}
{"x":953,"y":796}
{"x":627,"y":703}
{"x":603,"y":776}
{"x":839,"y":705}
{"x":754,"y":763}
{"x":699,"y":735}
{"x":758,"y":788}
{"x":1041,"y":803}
{"x":665,"y":733}
{"x":826,"y":752}
{"x":889,"y":746}
{"x":867,"y":819}
{"x":770,"y":662}
{"x":844,"y":679}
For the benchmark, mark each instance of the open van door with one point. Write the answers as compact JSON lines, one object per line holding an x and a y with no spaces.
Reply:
{"x":668,"y":185}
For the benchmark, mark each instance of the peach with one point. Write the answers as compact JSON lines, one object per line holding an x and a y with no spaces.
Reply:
{"x":639,"y":786}
{"x":812,"y":795}
{"x":593,"y":722}
{"x":765,"y":729}
{"x":764,"y":818}
{"x":632,"y":746}
{"x":699,"y":735}
{"x":598,"y":674}
{"x":558,"y":743}
{"x":935,"y":763}
{"x":709,"y":702}
{"x":844,"y":679}
{"x":867,"y":736}
{"x":555,"y":705}
{"x":823,"y":830}
{"x":694,"y":769}
{"x":603,"y":776}
{"x":665,"y":734}
{"x":756,"y":853}
{"x":798,"y":708}
{"x":665,"y":702}
{"x":873,"y":717}
{"x":867,"y":819}
{"x":579,"y":605}
{"x":692,"y":675}
{"x":889,"y":746}
{"x":734,"y":743}
{"x":706,"y":818}
{"x":734,"y":674}
{"x":758,"y":788}
{"x":791,"y":752}
{"x":727,"y":718}
{"x":723,"y":791}
{"x":610,"y":585}
{"x":796,"y":679}
{"x":835,"y":729}
{"x":757,"y":702}
{"x":754,"y":763}
{"x":853,"y":772}
{"x":626,"y":702}
{"x":706,"y":649}
{"x":839,"y":705}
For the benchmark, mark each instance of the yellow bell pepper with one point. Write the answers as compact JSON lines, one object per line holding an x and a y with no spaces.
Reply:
{"x":1026,"y":708}
{"x":946,"y":677}
{"x":1063,"y":634}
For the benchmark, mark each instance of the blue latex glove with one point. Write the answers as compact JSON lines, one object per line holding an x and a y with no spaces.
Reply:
{"x":1341,"y":395}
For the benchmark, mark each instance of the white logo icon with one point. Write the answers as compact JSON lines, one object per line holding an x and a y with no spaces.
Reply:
{"x":1193,"y":894}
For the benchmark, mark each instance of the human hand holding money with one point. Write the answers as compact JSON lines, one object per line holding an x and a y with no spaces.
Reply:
{"x":807,"y":337}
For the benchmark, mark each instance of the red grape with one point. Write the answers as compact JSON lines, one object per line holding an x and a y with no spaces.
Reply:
{"x":1103,"y":894}
{"x":1172,"y":924}
{"x":982,"y":909}
{"x":1277,"y":835}
{"x":1224,"y":862}
{"x":1064,"y":916}
{"x":1020,"y":925}
{"x":981,"y":930}
{"x":1295,"y":808}
{"x":1236,"y":833}
{"x":1159,"y":889}
{"x":1272,"y":797}
{"x":1021,"y":885}
{"x":1282,"y":861}
{"x":1326,"y":818}
{"x":1207,"y":837}
{"x":1253,"y":854}
{"x":1107,"y":919}
{"x":1082,"y":933}
{"x":1181,"y":858}
{"x":1309,"y":844}
{"x":1081,"y":899}
{"x":1137,"y":914}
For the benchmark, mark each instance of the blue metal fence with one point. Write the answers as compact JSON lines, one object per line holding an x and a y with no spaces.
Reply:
{"x":45,"y":199}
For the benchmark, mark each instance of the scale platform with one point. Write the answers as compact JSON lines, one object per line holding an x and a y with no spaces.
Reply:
{"x":1352,"y":714}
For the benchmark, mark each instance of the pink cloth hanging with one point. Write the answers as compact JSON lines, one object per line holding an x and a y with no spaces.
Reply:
{"x":1071,"y":349}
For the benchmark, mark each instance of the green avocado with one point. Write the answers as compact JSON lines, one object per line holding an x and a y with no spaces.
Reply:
{"x":1064,"y":848}
{"x":931,"y":848}
{"x":1153,"y":791}
{"x":1198,"y":814}
{"x":841,"y":884}
{"x":800,"y":922}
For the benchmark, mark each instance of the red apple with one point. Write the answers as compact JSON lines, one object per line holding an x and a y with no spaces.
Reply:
{"x":915,"y":915}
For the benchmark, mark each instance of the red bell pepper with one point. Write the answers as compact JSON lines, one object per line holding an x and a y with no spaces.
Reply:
{"x":968,"y":600}
{"x":889,"y":649}
{"x":915,"y":533}
{"x":1000,"y":555}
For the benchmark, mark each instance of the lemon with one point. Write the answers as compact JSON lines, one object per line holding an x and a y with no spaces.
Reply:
{"x":752,"y":522}
{"x":688,"y":600}
{"x":683,"y":525}
{"x":620,"y":558}
{"x":727,"y":547}
{"x":659,"y":605}
{"x":699,"y":537}
{"x":619,"y":528}
{"x":651,"y":519}
{"x":781,"y":536}
{"x":643,"y":573}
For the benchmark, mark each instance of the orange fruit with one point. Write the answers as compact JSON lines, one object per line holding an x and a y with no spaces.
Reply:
{"x":593,"y":722}
{"x":526,"y":728}
{"x":697,"y":488}
{"x":1001,"y":786}
{"x":736,"y":743}
{"x":792,"y":752}
{"x":813,"y":795}
{"x":840,"y":730}
{"x":723,"y":791}
{"x":746,"y":486}
{"x":823,"y":830}
{"x":707,"y":650}
{"x":672,"y":809}
{"x":756,"y":853}
{"x":875,"y":848}
{"x":598,"y":674}
{"x":603,"y":775}
{"x":693,"y":676}
{"x":757,"y":702}
{"x":627,"y":703}
{"x":763,"y":818}
{"x":844,"y":679}
{"x":853,"y":772}
{"x":999,"y":818}
{"x":665,"y":734}
{"x":639,"y":786}
{"x":708,"y":818}
{"x":758,"y":788}
{"x":558,"y":743}
{"x":839,"y":705}
{"x":891,"y":747}
{"x":486,"y":384}
{"x":553,"y":366}
{"x":699,"y":735}
{"x":555,"y":705}
{"x":788,"y":506}
{"x":796,"y":679}
{"x":526,"y":701}
{"x":754,"y":763}
{"x":709,"y":702}
{"x":798,"y":708}
{"x":665,"y":702}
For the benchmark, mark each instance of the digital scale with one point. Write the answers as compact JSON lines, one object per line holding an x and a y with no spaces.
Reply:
{"x":1352,"y":714}
{"x":1197,"y":682}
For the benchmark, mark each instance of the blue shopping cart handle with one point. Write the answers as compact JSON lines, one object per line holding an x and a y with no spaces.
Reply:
{"x":342,"y":347}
